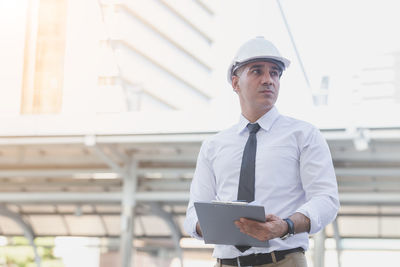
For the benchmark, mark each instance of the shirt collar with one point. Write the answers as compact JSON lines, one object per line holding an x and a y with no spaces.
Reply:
{"x":266,"y":121}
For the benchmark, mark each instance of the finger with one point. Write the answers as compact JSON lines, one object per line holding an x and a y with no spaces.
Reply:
{"x":252,"y":232}
{"x":271,"y":217}
{"x":252,"y":235}
{"x":240,"y":227}
{"x":244,"y":220}
{"x":248,"y":221}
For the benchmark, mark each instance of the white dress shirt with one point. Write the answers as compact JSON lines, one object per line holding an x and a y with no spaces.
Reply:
{"x":294,"y":173}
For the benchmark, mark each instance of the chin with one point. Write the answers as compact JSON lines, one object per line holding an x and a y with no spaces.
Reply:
{"x":268,"y":103}
{"x":269,"y":107}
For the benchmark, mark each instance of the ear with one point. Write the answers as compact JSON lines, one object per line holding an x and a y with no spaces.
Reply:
{"x":235,"y":83}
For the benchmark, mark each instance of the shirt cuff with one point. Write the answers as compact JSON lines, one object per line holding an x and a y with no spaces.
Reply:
{"x":194,"y":233}
{"x":315,"y":220}
{"x":190,"y":227}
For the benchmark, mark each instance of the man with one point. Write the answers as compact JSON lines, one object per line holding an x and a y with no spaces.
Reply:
{"x":279,"y":162}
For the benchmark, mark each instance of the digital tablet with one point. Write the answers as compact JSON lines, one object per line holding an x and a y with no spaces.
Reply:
{"x":216,"y":221}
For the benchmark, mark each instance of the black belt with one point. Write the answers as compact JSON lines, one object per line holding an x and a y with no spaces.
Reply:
{"x":260,"y":258}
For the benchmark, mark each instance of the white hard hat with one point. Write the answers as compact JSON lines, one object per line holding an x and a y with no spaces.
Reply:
{"x":254,"y":50}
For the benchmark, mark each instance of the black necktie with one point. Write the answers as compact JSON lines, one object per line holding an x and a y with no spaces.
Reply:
{"x":248,"y":169}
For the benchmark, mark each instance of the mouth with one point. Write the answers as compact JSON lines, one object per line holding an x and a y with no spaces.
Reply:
{"x":267,"y":92}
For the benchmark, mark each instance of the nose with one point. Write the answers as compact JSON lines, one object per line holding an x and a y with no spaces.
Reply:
{"x":266,"y":78}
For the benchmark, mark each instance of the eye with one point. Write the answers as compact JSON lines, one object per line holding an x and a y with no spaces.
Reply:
{"x":256,"y":71}
{"x":274,"y":73}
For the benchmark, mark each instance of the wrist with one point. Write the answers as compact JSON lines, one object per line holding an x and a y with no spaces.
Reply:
{"x":198,"y":230}
{"x":289,"y":227}
{"x":285,"y":228}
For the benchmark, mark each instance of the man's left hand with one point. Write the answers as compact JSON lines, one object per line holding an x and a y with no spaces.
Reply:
{"x":272,"y":228}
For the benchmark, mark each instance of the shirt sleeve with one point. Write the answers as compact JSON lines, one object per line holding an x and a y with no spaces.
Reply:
{"x":319,"y":182}
{"x":201,"y":189}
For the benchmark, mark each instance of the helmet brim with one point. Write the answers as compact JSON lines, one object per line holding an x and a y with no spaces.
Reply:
{"x":282,"y":62}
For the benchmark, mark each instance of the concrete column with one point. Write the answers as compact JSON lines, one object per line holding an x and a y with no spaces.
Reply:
{"x":127,"y":214}
{"x":338,"y":241}
{"x":319,"y":249}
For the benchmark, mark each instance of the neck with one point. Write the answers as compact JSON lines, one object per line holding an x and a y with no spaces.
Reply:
{"x":253,"y":115}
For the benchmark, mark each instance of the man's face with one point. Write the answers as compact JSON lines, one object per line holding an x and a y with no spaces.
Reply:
{"x":257,"y":85}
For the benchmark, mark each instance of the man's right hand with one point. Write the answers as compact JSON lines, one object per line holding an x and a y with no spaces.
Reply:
{"x":273,"y":227}
{"x":198,"y":230}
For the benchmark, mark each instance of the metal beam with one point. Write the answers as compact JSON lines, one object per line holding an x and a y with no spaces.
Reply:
{"x":130,"y":47}
{"x":138,"y":17}
{"x":338,"y":240}
{"x":164,"y":184}
{"x":373,"y":198}
{"x":162,"y":196}
{"x":369,"y":185}
{"x":175,"y":172}
{"x":375,"y":134}
{"x":182,"y":157}
{"x":369,"y":214}
{"x":294,"y":45}
{"x":66,"y":172}
{"x":122,"y":156}
{"x":117,"y":213}
{"x":60,"y":197}
{"x":178,"y":14}
{"x":366,"y":156}
{"x":106,"y":159}
{"x":28,"y":231}
{"x":352,"y":198}
{"x":88,"y":197}
{"x":319,"y":248}
{"x":175,"y":231}
{"x":38,"y":135}
{"x":152,"y":184}
{"x":127,"y":216}
{"x":205,"y":6}
{"x":154,"y":140}
{"x":384,"y":171}
{"x":127,"y":81}
{"x":52,"y":183}
{"x":9,"y":173}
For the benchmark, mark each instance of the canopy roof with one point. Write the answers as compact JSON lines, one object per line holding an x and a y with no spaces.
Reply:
{"x":70,"y":183}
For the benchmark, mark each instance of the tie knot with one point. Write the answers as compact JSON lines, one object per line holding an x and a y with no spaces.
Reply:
{"x":253,"y":128}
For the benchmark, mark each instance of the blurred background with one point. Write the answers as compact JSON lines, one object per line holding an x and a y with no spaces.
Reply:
{"x":104,"y":105}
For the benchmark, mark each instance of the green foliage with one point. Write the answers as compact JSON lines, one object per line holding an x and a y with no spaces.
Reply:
{"x":20,"y":253}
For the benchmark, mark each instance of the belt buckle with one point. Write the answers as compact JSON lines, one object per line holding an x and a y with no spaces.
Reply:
{"x":273,"y":257}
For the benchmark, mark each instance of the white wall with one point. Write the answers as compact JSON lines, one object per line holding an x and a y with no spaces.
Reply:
{"x":12,"y":40}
